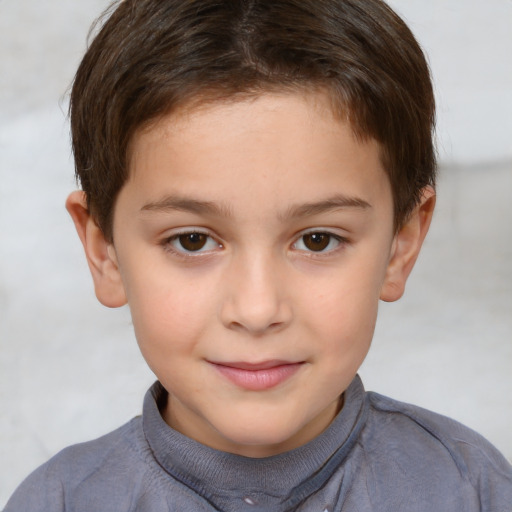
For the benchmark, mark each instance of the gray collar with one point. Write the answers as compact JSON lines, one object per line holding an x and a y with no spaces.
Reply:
{"x":280,"y":482}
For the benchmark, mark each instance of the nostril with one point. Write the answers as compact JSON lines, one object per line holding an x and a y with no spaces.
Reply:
{"x":255,"y":331}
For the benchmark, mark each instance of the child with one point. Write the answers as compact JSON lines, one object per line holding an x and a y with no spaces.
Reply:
{"x":256,"y":176}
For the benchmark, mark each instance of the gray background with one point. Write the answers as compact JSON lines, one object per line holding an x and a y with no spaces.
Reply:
{"x":70,"y":369}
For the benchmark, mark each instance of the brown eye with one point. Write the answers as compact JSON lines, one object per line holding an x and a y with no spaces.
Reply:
{"x":316,"y":241}
{"x":193,"y":241}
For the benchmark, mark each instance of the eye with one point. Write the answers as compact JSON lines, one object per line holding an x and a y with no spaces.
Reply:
{"x":192,"y":242}
{"x":318,"y":241}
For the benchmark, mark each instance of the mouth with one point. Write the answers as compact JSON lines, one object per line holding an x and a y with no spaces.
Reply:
{"x":257,"y":376}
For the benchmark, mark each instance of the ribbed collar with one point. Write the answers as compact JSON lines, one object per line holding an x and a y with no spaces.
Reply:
{"x":288,"y":478}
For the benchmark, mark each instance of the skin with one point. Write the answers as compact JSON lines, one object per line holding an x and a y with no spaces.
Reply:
{"x":288,"y":222}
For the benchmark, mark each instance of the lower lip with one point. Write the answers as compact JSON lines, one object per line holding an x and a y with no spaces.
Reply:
{"x":259,"y":380}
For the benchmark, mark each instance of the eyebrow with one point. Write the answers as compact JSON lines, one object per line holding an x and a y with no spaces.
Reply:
{"x":337,"y":202}
{"x":185,"y":204}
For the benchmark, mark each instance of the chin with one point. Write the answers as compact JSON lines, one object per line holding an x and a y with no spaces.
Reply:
{"x":258,"y":440}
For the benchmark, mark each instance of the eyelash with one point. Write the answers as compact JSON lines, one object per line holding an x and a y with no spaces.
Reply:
{"x":168,"y":243}
{"x":340,"y":241}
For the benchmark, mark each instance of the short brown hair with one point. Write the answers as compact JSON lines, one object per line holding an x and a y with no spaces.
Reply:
{"x":153,"y":56}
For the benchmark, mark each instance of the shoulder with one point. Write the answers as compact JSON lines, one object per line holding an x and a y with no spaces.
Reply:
{"x":81,"y":467}
{"x":420,"y":441}
{"x":462,"y":443}
{"x":81,"y":461}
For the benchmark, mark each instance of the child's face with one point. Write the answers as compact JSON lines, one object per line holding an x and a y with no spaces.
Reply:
{"x":253,"y":242}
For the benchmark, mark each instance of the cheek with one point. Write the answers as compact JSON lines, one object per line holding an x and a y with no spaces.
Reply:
{"x":344,"y":312}
{"x":169,"y":314}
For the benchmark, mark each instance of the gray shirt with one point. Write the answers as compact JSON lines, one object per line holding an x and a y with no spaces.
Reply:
{"x":378,"y":454}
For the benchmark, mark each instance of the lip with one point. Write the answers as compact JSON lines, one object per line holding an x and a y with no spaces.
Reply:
{"x":257,"y":376}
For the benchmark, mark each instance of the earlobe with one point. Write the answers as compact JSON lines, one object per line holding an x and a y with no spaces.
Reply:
{"x":100,"y":253}
{"x":406,"y":247}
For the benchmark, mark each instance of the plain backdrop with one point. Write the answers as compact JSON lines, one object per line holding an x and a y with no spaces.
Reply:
{"x":70,"y":369}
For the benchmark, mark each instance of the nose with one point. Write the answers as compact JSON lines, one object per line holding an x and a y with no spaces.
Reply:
{"x":255,"y":298}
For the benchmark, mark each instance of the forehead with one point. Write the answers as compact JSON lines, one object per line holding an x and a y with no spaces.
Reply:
{"x":211,"y":113}
{"x":277,"y":147}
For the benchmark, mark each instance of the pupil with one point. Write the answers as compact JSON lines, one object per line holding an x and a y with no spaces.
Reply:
{"x":316,"y":241}
{"x":193,"y":241}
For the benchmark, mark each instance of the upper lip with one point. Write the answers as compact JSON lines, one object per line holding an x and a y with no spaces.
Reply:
{"x":264,"y":365}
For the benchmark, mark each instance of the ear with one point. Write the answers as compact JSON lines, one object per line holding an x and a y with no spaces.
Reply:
{"x":406,"y":247}
{"x":101,"y":255}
